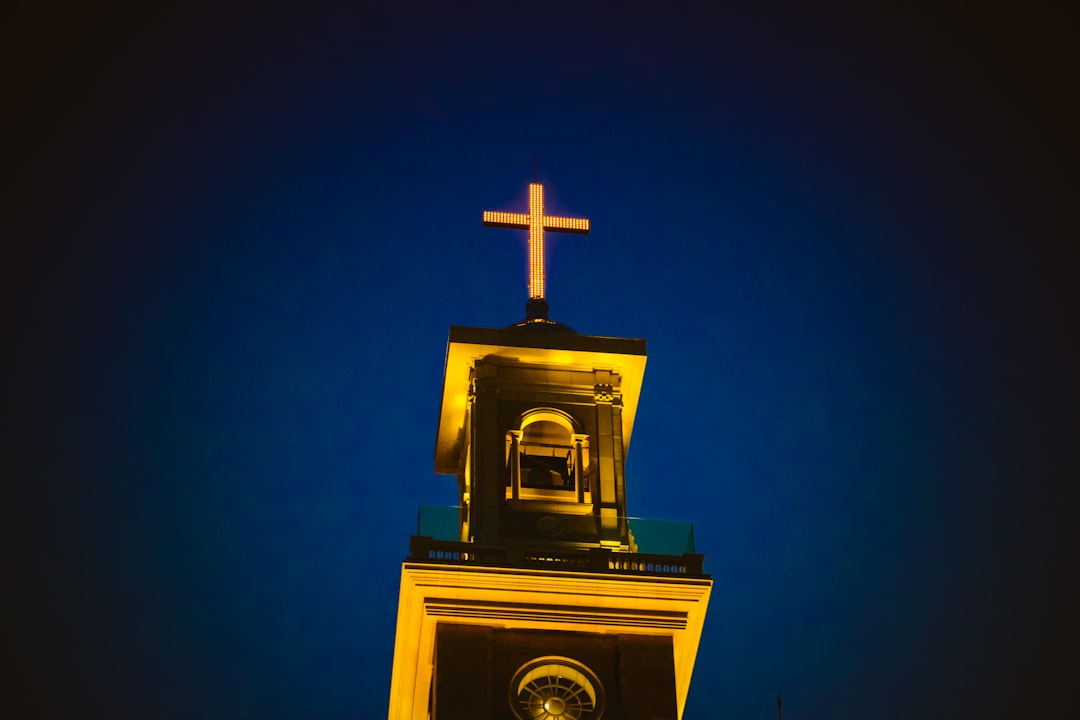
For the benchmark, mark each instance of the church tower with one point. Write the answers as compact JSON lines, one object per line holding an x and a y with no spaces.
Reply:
{"x":539,"y":597}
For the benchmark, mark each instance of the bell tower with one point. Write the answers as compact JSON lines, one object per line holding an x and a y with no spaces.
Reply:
{"x":538,"y":597}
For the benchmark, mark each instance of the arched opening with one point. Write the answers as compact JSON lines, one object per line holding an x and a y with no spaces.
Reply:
{"x":547,"y":458}
{"x":556,"y":688}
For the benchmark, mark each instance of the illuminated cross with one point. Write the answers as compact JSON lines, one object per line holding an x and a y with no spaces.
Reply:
{"x":536,"y":222}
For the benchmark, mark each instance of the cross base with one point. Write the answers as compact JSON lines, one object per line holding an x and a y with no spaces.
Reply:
{"x":536,"y":309}
{"x":536,"y":318}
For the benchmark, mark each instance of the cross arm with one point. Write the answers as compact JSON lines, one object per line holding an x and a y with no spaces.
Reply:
{"x":577,"y":226}
{"x":516,"y":221}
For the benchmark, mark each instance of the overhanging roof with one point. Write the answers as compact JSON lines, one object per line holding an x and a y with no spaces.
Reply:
{"x":624,"y":356}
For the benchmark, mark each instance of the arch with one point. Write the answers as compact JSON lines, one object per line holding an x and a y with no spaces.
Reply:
{"x":566,"y":420}
{"x":547,"y":457}
{"x":556,"y":688}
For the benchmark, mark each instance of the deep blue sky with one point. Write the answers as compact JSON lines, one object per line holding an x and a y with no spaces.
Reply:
{"x":237,"y":241}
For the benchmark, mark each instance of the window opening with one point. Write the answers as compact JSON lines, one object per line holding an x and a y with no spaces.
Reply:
{"x":547,"y":459}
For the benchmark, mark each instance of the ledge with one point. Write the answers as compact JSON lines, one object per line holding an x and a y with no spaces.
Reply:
{"x":593,"y":560}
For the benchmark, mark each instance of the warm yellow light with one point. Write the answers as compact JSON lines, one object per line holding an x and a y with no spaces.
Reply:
{"x":547,"y":600}
{"x":536,"y":222}
{"x":566,"y":224}
{"x":505,"y":219}
{"x":536,"y":240}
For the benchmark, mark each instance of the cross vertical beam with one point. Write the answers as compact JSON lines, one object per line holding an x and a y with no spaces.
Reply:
{"x":537,"y":276}
{"x":536,"y":222}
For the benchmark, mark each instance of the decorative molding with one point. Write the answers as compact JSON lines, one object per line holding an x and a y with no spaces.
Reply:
{"x":603,"y":393}
{"x":484,"y":388}
{"x":537,"y":615}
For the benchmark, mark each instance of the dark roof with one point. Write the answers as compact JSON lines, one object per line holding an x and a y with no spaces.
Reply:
{"x":536,"y":318}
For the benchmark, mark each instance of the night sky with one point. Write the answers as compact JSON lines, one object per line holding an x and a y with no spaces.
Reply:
{"x":236,"y":243}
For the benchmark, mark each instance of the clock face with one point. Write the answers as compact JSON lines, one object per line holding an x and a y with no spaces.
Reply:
{"x":556,"y":688}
